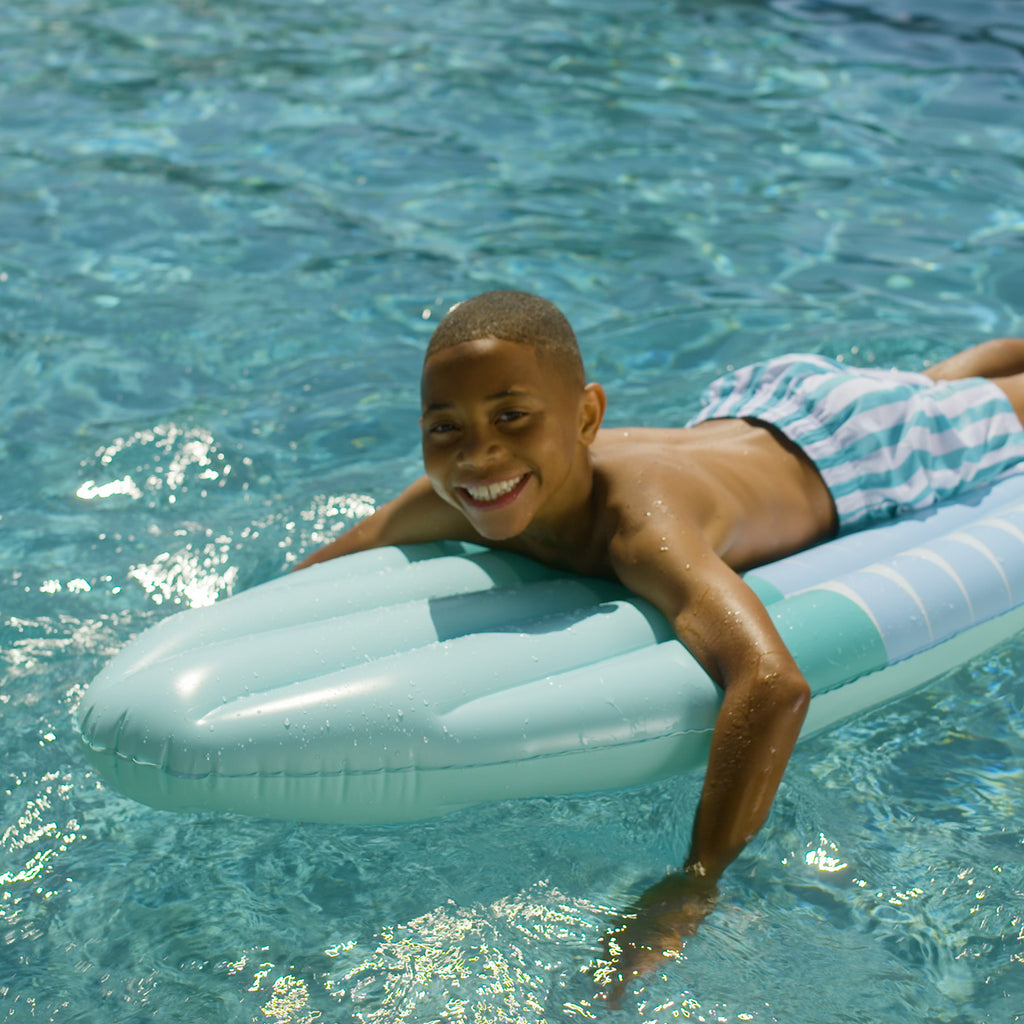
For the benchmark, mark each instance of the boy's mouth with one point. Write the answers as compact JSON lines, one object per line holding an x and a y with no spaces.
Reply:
{"x":490,"y":495}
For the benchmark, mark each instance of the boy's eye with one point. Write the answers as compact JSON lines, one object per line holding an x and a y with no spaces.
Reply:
{"x":441,"y":428}
{"x":510,"y":415}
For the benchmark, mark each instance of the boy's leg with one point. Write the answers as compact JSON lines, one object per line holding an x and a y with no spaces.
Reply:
{"x":1001,"y":360}
{"x":1013,"y":388}
{"x":1000,"y":357}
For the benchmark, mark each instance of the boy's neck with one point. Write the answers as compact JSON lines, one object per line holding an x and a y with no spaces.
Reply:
{"x":570,"y":537}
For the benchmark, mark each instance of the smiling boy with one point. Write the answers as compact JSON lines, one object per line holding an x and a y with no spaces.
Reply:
{"x":783,"y":456}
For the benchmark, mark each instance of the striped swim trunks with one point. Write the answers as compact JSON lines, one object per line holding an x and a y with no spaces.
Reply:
{"x":885,"y":442}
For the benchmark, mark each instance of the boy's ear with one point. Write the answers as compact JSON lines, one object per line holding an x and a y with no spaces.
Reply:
{"x":592,"y":405}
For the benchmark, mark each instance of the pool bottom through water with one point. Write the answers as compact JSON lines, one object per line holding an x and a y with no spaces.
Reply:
{"x":888,"y":882}
{"x":228,"y":230}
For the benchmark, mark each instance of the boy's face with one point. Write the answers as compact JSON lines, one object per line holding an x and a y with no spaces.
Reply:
{"x":505,"y":436}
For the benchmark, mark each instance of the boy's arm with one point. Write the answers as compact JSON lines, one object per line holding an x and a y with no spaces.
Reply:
{"x":728,"y":630}
{"x":416,"y":516}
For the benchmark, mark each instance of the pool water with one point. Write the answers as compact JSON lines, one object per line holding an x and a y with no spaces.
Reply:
{"x":228,"y":230}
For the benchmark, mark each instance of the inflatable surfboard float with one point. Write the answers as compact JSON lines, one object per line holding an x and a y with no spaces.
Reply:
{"x":405,"y":683}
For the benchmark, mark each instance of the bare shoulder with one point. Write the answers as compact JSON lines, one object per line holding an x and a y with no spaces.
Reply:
{"x":661,"y":534}
{"x":660,"y":518}
{"x":656,"y":481}
{"x":669,"y":550}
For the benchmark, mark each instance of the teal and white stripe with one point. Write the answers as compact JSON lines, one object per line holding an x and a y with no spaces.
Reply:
{"x":922,"y":580}
{"x":885,"y":442}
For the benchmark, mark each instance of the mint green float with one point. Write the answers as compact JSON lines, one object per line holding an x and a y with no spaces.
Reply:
{"x":406,"y":683}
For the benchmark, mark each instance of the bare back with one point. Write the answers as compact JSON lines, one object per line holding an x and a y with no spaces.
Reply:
{"x":752,"y":494}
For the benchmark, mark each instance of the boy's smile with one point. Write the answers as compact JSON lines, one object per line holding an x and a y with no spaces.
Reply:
{"x":505,"y":436}
{"x":499,"y":494}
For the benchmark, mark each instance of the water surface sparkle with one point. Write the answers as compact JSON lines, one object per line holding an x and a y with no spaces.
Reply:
{"x":229,"y":230}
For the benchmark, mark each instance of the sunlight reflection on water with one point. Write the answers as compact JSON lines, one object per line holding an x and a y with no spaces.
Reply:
{"x":228,"y":231}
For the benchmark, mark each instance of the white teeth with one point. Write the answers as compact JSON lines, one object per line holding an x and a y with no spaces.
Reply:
{"x":491,"y":492}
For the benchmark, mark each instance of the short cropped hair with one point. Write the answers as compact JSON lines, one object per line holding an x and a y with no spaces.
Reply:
{"x":512,"y":316}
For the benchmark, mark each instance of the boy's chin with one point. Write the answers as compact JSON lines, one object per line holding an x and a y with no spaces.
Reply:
{"x":498,"y":525}
{"x":496,"y":533}
{"x":498,"y":528}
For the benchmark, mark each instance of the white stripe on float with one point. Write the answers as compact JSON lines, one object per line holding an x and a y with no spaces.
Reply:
{"x":979,"y":546}
{"x":886,"y":572}
{"x":927,"y":555}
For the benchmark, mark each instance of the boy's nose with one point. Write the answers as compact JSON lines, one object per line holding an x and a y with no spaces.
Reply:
{"x":478,"y":448}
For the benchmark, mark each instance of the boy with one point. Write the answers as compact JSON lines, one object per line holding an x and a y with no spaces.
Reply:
{"x":783,"y":455}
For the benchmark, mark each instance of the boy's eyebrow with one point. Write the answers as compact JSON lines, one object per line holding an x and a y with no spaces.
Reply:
{"x":509,"y":392}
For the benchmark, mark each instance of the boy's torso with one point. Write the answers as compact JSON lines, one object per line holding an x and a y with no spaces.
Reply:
{"x":750,"y":493}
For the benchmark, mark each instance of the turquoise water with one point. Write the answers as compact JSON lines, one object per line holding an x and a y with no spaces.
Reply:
{"x":227,"y":232}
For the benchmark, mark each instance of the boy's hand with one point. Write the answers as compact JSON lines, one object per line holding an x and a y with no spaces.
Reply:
{"x":657,"y":925}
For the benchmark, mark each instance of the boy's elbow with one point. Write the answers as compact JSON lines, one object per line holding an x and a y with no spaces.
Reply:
{"x":778,"y":699}
{"x":792,"y":694}
{"x":783,"y":694}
